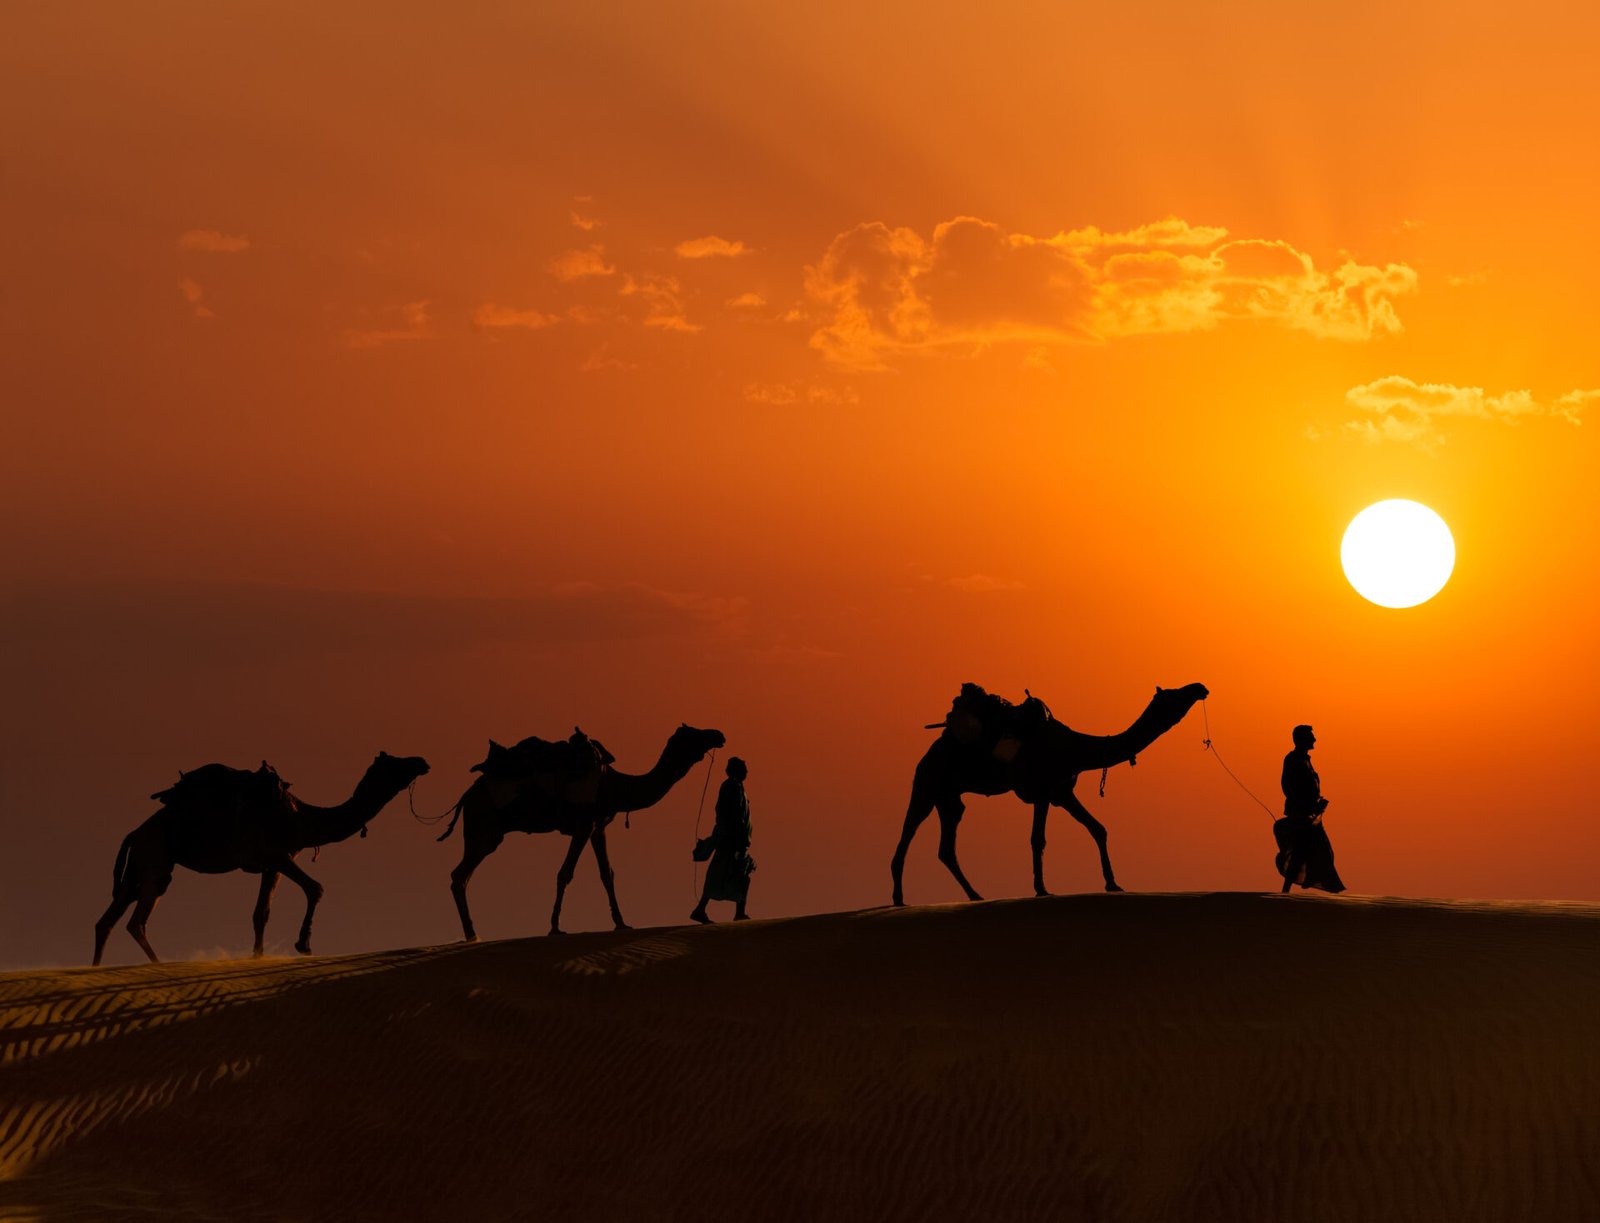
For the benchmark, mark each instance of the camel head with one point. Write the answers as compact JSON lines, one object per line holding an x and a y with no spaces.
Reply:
{"x":692,"y":743}
{"x":394,"y":773}
{"x":1169,"y":705}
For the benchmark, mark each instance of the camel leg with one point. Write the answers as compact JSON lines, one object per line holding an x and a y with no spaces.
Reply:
{"x":949,"y":819}
{"x":920,"y":808}
{"x":1041,"y":812}
{"x":313,"y":890}
{"x":564,"y":875}
{"x":1097,"y":830}
{"x":149,"y":892}
{"x":602,"y":859}
{"x":472,"y":854}
{"x":269,"y":881}
{"x":120,"y":901}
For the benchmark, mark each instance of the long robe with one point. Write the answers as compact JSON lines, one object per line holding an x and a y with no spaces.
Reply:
{"x":1300,"y":834}
{"x":728,"y":876}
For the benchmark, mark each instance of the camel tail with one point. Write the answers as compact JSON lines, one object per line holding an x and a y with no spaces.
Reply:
{"x":121,"y":866}
{"x":455,"y":815}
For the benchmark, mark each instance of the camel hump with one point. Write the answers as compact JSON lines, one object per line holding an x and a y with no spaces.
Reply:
{"x":214,"y":785}
{"x":978,"y":716}
{"x":563,"y":759}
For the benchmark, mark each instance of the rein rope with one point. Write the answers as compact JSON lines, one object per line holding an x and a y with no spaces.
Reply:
{"x":429,"y":820}
{"x":694,"y":867}
{"x":1211,"y":747}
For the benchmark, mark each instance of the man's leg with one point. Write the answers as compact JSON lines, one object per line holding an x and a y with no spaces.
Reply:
{"x":699,"y":913}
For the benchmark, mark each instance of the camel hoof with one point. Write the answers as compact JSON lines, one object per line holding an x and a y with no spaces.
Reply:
{"x":1040,"y":892}
{"x":471,"y":938}
{"x":622,"y":925}
{"x":1111,"y":887}
{"x":702,"y":918}
{"x":556,"y":932}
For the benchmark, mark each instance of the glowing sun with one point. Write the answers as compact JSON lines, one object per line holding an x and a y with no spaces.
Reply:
{"x":1397,"y":553}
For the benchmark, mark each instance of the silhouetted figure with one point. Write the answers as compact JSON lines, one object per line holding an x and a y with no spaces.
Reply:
{"x":1032,"y":756}
{"x":1305,"y":855}
{"x":218,"y":819}
{"x":537,"y":787}
{"x":728,"y":876}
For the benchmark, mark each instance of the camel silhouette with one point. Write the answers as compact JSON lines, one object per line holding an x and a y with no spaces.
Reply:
{"x":218,"y":819}
{"x":494,"y":806}
{"x":1041,"y":769}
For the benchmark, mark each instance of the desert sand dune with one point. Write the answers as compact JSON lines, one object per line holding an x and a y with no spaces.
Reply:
{"x":1200,"y":1057}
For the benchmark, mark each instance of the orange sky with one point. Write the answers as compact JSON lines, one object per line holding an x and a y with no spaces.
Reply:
{"x":395,"y":379}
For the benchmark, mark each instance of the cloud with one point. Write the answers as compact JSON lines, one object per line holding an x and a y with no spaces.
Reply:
{"x":417,"y":327}
{"x":602,"y":359}
{"x":213,"y":242}
{"x":193,"y":293}
{"x":662,"y":300}
{"x":490,"y":317}
{"x":1396,"y":409}
{"x":1039,"y":358}
{"x":972,"y":583}
{"x":747,"y":301}
{"x":581,"y":220}
{"x":710,"y":247}
{"x":982,"y":583}
{"x":578,"y":264}
{"x":878,"y":293}
{"x":781,"y":394}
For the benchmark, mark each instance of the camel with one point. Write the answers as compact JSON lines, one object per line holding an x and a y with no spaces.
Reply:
{"x":494,"y":806}
{"x":217,"y":820}
{"x":1041,"y":770}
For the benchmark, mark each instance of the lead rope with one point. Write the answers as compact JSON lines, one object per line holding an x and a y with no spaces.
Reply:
{"x":430,"y":820}
{"x":1211,"y":747}
{"x":694,"y":867}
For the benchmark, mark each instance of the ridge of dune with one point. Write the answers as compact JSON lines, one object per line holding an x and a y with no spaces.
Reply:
{"x":1214,"y":1056}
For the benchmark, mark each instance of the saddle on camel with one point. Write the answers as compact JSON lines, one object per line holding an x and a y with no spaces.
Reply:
{"x":991,"y":726}
{"x":565,"y":769}
{"x":222,"y":790}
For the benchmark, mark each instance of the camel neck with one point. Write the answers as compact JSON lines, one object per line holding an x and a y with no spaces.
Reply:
{"x":1106,"y":751}
{"x":325,"y":825}
{"x":635,"y":791}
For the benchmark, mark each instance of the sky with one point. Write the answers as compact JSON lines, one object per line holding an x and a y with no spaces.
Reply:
{"x":397,"y":377}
